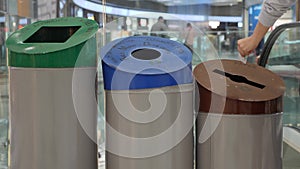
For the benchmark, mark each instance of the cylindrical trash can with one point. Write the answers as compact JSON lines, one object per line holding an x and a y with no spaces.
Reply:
{"x":148,"y":104}
{"x":52,"y":68}
{"x":240,"y":115}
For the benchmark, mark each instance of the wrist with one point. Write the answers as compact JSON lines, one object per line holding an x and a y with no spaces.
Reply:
{"x":255,"y":40}
{"x":259,"y":32}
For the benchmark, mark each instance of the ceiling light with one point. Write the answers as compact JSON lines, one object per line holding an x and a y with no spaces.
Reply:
{"x":164,"y":0}
{"x":177,"y":1}
{"x":214,"y":24}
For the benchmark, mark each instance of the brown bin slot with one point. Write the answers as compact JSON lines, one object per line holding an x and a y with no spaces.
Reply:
{"x":245,"y":88}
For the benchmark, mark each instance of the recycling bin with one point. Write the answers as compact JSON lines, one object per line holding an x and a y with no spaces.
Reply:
{"x":52,"y":68}
{"x":148,"y":104}
{"x":239,"y":124}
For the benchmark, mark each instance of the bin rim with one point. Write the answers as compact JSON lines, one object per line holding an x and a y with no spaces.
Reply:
{"x":274,"y":84}
{"x":115,"y":49}
{"x":15,"y":42}
{"x":166,"y":63}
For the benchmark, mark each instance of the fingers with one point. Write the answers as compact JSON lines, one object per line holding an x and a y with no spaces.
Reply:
{"x":245,"y":47}
{"x":257,"y":59}
{"x":240,"y":48}
{"x":244,"y":53}
{"x":241,"y":51}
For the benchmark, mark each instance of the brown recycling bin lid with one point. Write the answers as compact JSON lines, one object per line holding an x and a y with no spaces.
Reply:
{"x":232,"y":87}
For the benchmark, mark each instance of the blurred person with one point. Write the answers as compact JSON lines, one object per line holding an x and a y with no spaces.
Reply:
{"x":158,"y":27}
{"x":189,"y":35}
{"x":124,"y":32}
{"x":2,"y":42}
{"x":271,"y":11}
{"x":233,"y":41}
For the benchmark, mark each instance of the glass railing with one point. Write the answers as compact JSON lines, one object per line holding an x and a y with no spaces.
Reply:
{"x":8,"y":24}
{"x":3,"y":96}
{"x":282,"y":56}
{"x":284,"y":60}
{"x":207,"y":45}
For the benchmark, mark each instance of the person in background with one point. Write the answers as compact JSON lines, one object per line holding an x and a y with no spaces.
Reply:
{"x":158,"y":27}
{"x":271,"y":11}
{"x":233,"y":39}
{"x":2,"y":48}
{"x":189,"y":35}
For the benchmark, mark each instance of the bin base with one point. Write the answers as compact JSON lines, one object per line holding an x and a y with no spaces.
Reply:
{"x":240,"y":142}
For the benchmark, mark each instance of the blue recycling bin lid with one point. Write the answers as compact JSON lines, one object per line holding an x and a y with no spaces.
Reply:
{"x":141,"y":62}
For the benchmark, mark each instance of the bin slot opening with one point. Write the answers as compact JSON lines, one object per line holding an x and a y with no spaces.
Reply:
{"x":239,"y":79}
{"x":48,"y":34}
{"x":146,"y":54}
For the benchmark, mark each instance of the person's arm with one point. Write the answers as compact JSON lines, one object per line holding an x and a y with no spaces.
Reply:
{"x":271,"y":11}
{"x":164,"y":27}
{"x":247,"y":45}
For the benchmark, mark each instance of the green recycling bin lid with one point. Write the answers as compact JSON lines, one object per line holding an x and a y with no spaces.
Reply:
{"x":54,"y":43}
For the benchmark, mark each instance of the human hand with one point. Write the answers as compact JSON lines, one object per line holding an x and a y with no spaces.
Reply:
{"x":247,"y":45}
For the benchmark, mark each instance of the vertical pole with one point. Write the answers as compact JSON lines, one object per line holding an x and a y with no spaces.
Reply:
{"x":297,"y":10}
{"x":104,"y":21}
{"x":245,"y":19}
{"x":57,"y":8}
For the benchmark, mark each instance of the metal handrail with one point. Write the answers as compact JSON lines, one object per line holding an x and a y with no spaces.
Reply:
{"x":272,"y":39}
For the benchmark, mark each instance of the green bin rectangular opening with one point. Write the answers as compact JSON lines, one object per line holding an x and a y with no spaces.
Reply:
{"x":48,"y":34}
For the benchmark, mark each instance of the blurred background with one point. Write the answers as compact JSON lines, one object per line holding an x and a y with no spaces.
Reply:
{"x":217,"y":25}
